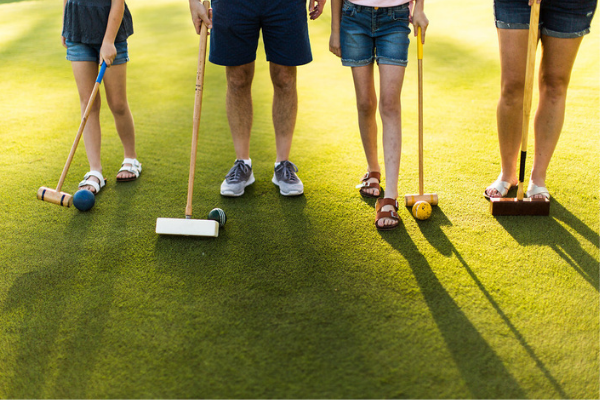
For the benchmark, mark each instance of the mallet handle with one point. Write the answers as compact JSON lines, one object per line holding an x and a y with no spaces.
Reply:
{"x":528,"y":90}
{"x":420,"y":62}
{"x":86,"y":113}
{"x":197,"y":112}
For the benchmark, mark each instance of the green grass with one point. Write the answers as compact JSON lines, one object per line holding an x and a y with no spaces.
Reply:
{"x":298,"y":297}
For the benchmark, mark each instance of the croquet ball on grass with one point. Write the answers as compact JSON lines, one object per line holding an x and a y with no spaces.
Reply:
{"x":83,"y":200}
{"x":421,"y":210}
{"x":218,"y":215}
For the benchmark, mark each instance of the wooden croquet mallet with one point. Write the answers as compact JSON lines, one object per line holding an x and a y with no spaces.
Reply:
{"x":55,"y":195}
{"x":521,"y":206}
{"x":431,"y":198}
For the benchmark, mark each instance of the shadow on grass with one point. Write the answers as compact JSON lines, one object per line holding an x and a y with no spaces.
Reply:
{"x":436,"y":237}
{"x":481,"y":368}
{"x":534,"y":230}
{"x":63,"y":306}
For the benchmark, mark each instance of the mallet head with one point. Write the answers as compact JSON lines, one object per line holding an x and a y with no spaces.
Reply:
{"x":54,"y":196}
{"x":411,"y":199}
{"x":513,"y":206}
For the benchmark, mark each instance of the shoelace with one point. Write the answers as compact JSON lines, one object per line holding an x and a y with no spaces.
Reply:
{"x":288,"y":171}
{"x":239,"y":168}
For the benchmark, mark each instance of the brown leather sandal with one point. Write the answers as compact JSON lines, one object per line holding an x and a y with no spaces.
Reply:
{"x":370,"y":185}
{"x":386,"y":214}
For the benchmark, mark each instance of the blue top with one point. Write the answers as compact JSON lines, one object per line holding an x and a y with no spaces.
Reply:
{"x":85,"y":21}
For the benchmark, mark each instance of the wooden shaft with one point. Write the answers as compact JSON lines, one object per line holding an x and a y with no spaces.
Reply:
{"x":528,"y":90}
{"x":86,"y":113}
{"x":420,"y":61}
{"x":197,"y":112}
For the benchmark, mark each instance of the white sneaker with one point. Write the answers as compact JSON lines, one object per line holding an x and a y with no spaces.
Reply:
{"x":238,"y":177}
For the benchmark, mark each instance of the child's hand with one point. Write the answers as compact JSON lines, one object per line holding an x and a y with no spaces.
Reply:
{"x":64,"y":41}
{"x":334,"y":44}
{"x":316,"y":11}
{"x":200,"y":14}
{"x":419,"y":19}
{"x":108,"y":52}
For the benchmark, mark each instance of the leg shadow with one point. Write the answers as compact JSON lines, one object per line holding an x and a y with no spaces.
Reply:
{"x":482,"y":369}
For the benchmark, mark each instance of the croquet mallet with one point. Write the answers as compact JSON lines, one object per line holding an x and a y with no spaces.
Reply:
{"x":55,"y":195}
{"x":519,"y":205}
{"x":431,"y":198}
{"x":189,"y":226}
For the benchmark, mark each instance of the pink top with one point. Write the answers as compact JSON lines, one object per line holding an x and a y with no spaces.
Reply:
{"x":379,"y":3}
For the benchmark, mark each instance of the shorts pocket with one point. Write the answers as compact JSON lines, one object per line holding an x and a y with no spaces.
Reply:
{"x":348,"y":10}
{"x":400,"y":13}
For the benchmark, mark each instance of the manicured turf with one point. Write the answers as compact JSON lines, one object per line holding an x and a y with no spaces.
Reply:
{"x":298,"y":297}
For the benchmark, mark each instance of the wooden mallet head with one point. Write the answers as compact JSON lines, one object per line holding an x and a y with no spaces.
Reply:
{"x":514,"y":206}
{"x":54,"y":196}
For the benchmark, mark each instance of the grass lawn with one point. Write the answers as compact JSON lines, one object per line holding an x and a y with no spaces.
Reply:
{"x":298,"y":297}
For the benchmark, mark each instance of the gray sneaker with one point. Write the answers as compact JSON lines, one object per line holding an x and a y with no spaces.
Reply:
{"x":285,"y":177}
{"x":238,"y":177}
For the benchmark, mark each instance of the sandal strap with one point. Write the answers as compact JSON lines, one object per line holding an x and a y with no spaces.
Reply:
{"x":533,"y":190}
{"x":135,"y":168}
{"x":368,"y":185}
{"x":386,"y":201}
{"x":88,"y":182}
{"x":387,"y":214}
{"x":372,"y":174}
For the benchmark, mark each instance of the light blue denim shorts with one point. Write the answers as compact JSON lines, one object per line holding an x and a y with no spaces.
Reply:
{"x":90,"y":52}
{"x":378,"y":34}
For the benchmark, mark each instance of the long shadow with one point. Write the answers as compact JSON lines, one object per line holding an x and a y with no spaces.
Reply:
{"x":436,"y":237}
{"x":529,"y":231}
{"x":47,"y":299}
{"x":481,"y":368}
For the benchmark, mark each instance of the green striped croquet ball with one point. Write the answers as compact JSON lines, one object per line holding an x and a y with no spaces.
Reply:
{"x":218,"y":215}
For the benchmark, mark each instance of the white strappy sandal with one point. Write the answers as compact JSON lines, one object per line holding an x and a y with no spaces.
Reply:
{"x":135,"y":168}
{"x":501,"y":186}
{"x":89,"y":182}
{"x":533,"y":190}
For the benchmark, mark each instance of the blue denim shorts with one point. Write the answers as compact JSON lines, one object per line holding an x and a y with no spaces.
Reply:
{"x":558,"y":18}
{"x":91,"y":52}
{"x":237,"y":25}
{"x":378,"y":34}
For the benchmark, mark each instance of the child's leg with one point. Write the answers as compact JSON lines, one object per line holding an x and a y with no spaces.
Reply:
{"x":391,"y":79}
{"x":116,"y":97}
{"x":366,"y":104}
{"x":85,"y":77}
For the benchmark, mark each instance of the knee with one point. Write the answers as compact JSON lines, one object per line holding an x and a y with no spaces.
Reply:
{"x":366,"y":105}
{"x":239,"y":79}
{"x":95,"y":109}
{"x":512,"y":91}
{"x":283,"y":78}
{"x":554,"y":88}
{"x":119,"y":108}
{"x":389,"y":106}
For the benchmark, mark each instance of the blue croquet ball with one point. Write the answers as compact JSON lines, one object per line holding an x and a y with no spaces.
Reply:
{"x":83,"y":200}
{"x":218,"y":215}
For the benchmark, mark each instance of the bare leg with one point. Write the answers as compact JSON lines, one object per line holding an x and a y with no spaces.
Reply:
{"x":558,"y":57}
{"x":509,"y":113}
{"x":239,"y":107}
{"x":115,"y":80}
{"x":285,"y":108}
{"x":391,"y":79}
{"x":366,"y":104}
{"x":85,"y":77}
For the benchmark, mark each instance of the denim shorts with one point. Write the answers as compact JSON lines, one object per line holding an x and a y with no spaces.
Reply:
{"x":558,"y":18}
{"x":90,"y":52}
{"x":237,"y":25}
{"x":378,"y":34}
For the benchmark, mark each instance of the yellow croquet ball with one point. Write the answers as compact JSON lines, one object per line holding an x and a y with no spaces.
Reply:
{"x":421,"y":210}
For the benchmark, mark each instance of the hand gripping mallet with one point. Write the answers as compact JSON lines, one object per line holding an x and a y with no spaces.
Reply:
{"x":431,"y":198}
{"x":189,"y":226}
{"x":55,"y":195}
{"x":521,"y":206}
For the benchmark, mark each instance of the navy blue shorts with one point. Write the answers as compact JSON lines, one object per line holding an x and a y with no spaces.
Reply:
{"x":237,"y":25}
{"x":558,"y":18}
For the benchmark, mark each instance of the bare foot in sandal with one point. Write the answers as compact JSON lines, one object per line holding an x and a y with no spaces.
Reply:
{"x":370,"y":184}
{"x":387,"y":214}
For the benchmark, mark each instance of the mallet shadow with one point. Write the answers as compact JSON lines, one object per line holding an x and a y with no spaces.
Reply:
{"x":534,"y":231}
